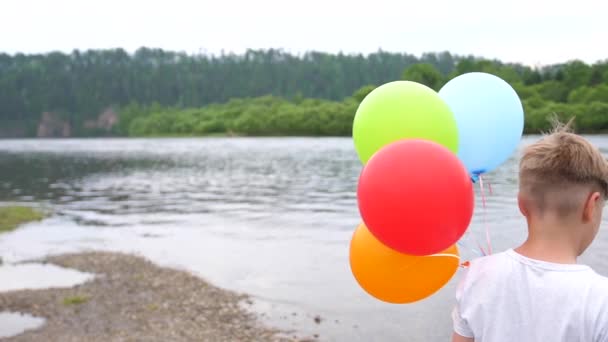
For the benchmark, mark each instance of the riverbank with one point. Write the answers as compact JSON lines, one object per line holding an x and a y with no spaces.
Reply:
{"x":132,"y":299}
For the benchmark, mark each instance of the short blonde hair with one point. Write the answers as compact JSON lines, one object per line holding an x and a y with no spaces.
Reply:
{"x":559,"y":171}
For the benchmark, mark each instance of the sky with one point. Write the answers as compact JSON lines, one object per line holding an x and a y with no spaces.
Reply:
{"x":533,"y":32}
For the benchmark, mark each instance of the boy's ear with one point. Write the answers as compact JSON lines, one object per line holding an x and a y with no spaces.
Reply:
{"x":591,"y":206}
{"x":521,"y":202}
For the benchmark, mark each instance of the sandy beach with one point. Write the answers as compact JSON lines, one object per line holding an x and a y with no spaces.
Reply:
{"x":131,"y":299}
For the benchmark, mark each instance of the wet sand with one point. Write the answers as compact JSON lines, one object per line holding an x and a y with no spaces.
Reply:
{"x":131,"y":299}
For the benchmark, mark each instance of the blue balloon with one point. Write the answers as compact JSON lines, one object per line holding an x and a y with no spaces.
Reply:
{"x":490,"y":119}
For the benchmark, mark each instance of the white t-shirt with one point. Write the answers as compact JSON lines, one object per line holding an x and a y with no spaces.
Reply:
{"x":509,"y":297}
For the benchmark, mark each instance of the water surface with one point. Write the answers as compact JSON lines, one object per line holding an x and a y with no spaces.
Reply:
{"x":33,"y":276}
{"x":271,"y":217}
{"x":15,"y":323}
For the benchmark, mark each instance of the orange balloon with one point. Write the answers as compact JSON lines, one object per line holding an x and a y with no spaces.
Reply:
{"x":395,"y":277}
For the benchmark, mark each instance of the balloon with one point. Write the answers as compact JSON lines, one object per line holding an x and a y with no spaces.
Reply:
{"x":395,"y":277}
{"x":402,"y":109}
{"x":490,"y":119}
{"x":415,"y":196}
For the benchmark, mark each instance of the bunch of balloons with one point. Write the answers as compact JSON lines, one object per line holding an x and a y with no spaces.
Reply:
{"x":421,"y":152}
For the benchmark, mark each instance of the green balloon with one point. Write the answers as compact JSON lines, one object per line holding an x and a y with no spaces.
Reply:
{"x":402,"y":110}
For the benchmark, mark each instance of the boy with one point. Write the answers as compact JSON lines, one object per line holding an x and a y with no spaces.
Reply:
{"x":538,"y":292}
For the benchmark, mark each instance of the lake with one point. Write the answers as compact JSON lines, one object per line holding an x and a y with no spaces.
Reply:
{"x":271,"y":217}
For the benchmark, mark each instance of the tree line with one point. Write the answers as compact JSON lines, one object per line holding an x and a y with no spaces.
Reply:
{"x":263,"y":92}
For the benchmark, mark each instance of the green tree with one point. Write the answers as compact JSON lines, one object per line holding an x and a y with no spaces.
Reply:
{"x":594,"y":118}
{"x":552,"y":91}
{"x":165,"y":92}
{"x":576,"y":74}
{"x":531,"y":76}
{"x":587,"y":94}
{"x":362,"y":92}
{"x":424,"y":73}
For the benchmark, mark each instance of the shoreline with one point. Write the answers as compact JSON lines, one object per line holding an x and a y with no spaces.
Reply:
{"x":130,"y":298}
{"x":236,"y":136}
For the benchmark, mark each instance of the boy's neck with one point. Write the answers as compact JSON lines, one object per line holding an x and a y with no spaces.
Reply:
{"x":549,"y":243}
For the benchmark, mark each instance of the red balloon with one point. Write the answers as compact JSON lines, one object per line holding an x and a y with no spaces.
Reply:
{"x":416,"y":197}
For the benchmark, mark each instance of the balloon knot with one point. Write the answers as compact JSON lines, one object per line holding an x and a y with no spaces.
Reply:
{"x":475,"y":174}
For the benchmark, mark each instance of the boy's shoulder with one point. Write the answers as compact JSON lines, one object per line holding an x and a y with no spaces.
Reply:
{"x":483,"y":269}
{"x":600,"y":284}
{"x":509,"y":265}
{"x":488,"y":264}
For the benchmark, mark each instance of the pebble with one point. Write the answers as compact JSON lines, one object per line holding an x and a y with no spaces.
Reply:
{"x":136,"y":301}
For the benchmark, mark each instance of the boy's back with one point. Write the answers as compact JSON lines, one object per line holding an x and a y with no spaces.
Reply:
{"x":509,"y":297}
{"x":538,"y":292}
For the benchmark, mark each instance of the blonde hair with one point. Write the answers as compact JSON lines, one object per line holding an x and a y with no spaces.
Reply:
{"x":559,"y":171}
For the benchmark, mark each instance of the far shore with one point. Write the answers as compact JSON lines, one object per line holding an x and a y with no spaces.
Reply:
{"x":232,"y":135}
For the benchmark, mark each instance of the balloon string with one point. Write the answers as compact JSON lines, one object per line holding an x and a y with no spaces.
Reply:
{"x":445,"y":255}
{"x":483,"y":252}
{"x":456,"y":256}
{"x":467,"y":235}
{"x":483,"y":195}
{"x":462,"y":245}
{"x":485,"y":222}
{"x":477,"y":177}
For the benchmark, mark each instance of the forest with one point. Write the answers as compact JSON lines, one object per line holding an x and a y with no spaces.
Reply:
{"x":153,"y":92}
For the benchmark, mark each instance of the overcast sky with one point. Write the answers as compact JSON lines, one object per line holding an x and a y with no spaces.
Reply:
{"x":529,"y":31}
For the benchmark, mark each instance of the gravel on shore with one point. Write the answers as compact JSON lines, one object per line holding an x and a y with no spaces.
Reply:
{"x":131,"y":299}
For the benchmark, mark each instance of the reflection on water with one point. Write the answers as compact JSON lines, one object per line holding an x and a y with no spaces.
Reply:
{"x":267,"y":216}
{"x":119,"y":182}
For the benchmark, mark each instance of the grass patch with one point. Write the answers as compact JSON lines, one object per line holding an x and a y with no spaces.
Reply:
{"x":12,"y":217}
{"x":75,"y":300}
